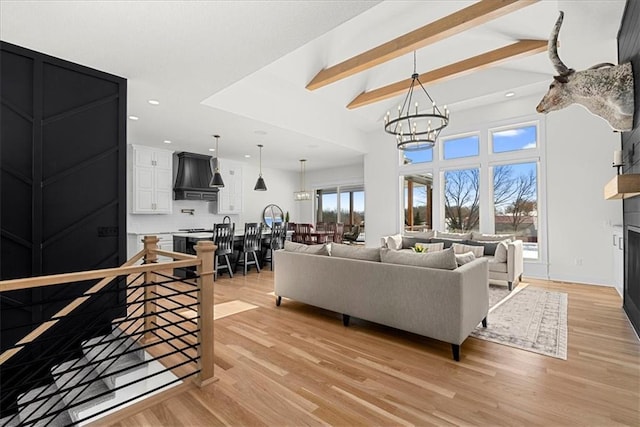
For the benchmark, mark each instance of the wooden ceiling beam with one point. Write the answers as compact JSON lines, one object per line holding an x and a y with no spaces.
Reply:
{"x":464,"y":19}
{"x":519,"y":49}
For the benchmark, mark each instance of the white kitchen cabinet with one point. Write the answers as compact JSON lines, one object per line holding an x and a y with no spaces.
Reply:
{"x":230,"y":196}
{"x":152,"y":176}
{"x":618,"y":258}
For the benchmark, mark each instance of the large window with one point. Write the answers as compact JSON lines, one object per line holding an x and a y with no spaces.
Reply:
{"x":462,"y":200}
{"x":486,"y":180}
{"x":341,"y":204}
{"x":418,"y":196}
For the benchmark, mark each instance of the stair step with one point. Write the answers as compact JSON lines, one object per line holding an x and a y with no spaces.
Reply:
{"x":92,"y":387}
{"x":111,"y":345}
{"x":10,"y":421}
{"x":29,"y":409}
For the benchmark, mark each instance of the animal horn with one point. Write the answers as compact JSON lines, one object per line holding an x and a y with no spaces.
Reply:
{"x":552,"y":47}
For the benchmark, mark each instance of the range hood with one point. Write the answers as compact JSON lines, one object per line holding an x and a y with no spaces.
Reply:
{"x":623,"y":186}
{"x":193,"y":178}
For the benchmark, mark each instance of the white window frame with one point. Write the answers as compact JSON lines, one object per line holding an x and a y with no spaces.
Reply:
{"x":486,"y":161}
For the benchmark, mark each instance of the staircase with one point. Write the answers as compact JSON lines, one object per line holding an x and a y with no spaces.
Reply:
{"x":108,"y":373}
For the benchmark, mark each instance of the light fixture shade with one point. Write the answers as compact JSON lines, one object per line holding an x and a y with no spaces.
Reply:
{"x":260,"y":185}
{"x":300,"y":196}
{"x":303,"y":194}
{"x":216,"y":181}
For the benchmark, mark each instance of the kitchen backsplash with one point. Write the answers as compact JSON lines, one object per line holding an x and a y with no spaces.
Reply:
{"x":203,"y":217}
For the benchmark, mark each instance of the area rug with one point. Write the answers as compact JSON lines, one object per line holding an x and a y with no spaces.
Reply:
{"x":528,"y":318}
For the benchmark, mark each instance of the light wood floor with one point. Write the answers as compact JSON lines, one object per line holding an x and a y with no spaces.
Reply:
{"x":297,"y":365}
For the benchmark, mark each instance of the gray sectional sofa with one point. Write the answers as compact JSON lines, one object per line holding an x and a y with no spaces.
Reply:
{"x":438,"y":303}
{"x":506,"y":265}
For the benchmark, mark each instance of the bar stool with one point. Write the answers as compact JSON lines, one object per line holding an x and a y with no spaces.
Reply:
{"x":223,"y":239}
{"x":250,"y":246}
{"x":278,"y":236}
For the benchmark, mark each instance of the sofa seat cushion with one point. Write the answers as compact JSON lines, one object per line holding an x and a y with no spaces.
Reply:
{"x":445,"y":259}
{"x":355,"y":252}
{"x":307,"y":249}
{"x":498,"y":267}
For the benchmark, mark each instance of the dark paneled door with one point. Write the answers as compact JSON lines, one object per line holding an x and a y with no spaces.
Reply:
{"x":62,"y":183}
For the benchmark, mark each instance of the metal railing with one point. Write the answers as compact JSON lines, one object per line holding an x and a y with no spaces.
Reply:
{"x":71,"y":368}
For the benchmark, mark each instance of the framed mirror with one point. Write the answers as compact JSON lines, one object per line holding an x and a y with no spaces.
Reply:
{"x":272,"y":213}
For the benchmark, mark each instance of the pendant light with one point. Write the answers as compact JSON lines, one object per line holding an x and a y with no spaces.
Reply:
{"x":303,"y":194}
{"x":260,"y":185}
{"x":217,"y":181}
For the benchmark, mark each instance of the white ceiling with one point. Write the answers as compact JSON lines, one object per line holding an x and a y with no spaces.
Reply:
{"x":239,"y":68}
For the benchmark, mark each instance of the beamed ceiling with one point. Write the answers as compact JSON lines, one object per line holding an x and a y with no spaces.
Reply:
{"x":307,"y":79}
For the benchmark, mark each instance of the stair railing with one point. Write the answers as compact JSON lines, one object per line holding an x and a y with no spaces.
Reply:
{"x":157,"y":324}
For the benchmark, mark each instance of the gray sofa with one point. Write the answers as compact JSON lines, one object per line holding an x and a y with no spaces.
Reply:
{"x":508,"y":267}
{"x":443,"y":304}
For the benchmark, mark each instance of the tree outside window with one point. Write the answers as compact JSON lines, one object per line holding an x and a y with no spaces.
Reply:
{"x":462,"y":200}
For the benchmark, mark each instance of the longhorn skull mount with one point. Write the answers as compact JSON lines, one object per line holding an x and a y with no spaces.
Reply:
{"x":605,"y":89}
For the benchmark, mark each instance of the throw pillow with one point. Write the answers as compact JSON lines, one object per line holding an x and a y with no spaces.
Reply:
{"x":306,"y":249}
{"x":491,"y":237}
{"x":501,"y":252}
{"x":394,"y":242}
{"x":355,"y":252}
{"x":430,"y":247}
{"x":489,"y":247}
{"x":458,"y":248}
{"x":445,"y":260}
{"x":464,"y":258}
{"x":454,"y":236}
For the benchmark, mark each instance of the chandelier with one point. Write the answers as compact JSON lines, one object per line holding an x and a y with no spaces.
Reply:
{"x":414,"y":129}
{"x":303,"y":194}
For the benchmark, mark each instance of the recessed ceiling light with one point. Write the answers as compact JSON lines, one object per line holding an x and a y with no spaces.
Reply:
{"x":134,"y":117}
{"x":509,"y":94}
{"x":246,"y":156}
{"x":153,"y":102}
{"x":212,"y":149}
{"x":166,"y":141}
{"x":259,"y":132}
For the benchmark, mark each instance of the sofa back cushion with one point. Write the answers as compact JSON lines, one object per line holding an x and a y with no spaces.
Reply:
{"x":355,"y":252}
{"x":453,"y":236}
{"x":445,"y":259}
{"x":393,"y":242}
{"x":482,"y":237}
{"x":459,"y":248}
{"x":427,"y":234}
{"x":306,"y":249}
{"x":409,"y":242}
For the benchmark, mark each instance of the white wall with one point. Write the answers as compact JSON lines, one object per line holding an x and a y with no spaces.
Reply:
{"x":579,"y":156}
{"x":579,"y":152}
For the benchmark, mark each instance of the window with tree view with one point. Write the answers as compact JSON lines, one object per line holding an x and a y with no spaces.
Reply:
{"x":462,"y":200}
{"x":341,"y":204}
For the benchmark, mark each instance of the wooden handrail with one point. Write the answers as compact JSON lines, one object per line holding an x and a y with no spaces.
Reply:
{"x":107,"y":275}
{"x":56,"y":279}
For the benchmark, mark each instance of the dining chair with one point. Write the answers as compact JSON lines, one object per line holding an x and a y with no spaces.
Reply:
{"x":278,"y":236}
{"x":250,"y":246}
{"x":338,"y":232}
{"x":303,"y":234}
{"x":223,"y":239}
{"x":352,"y":236}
